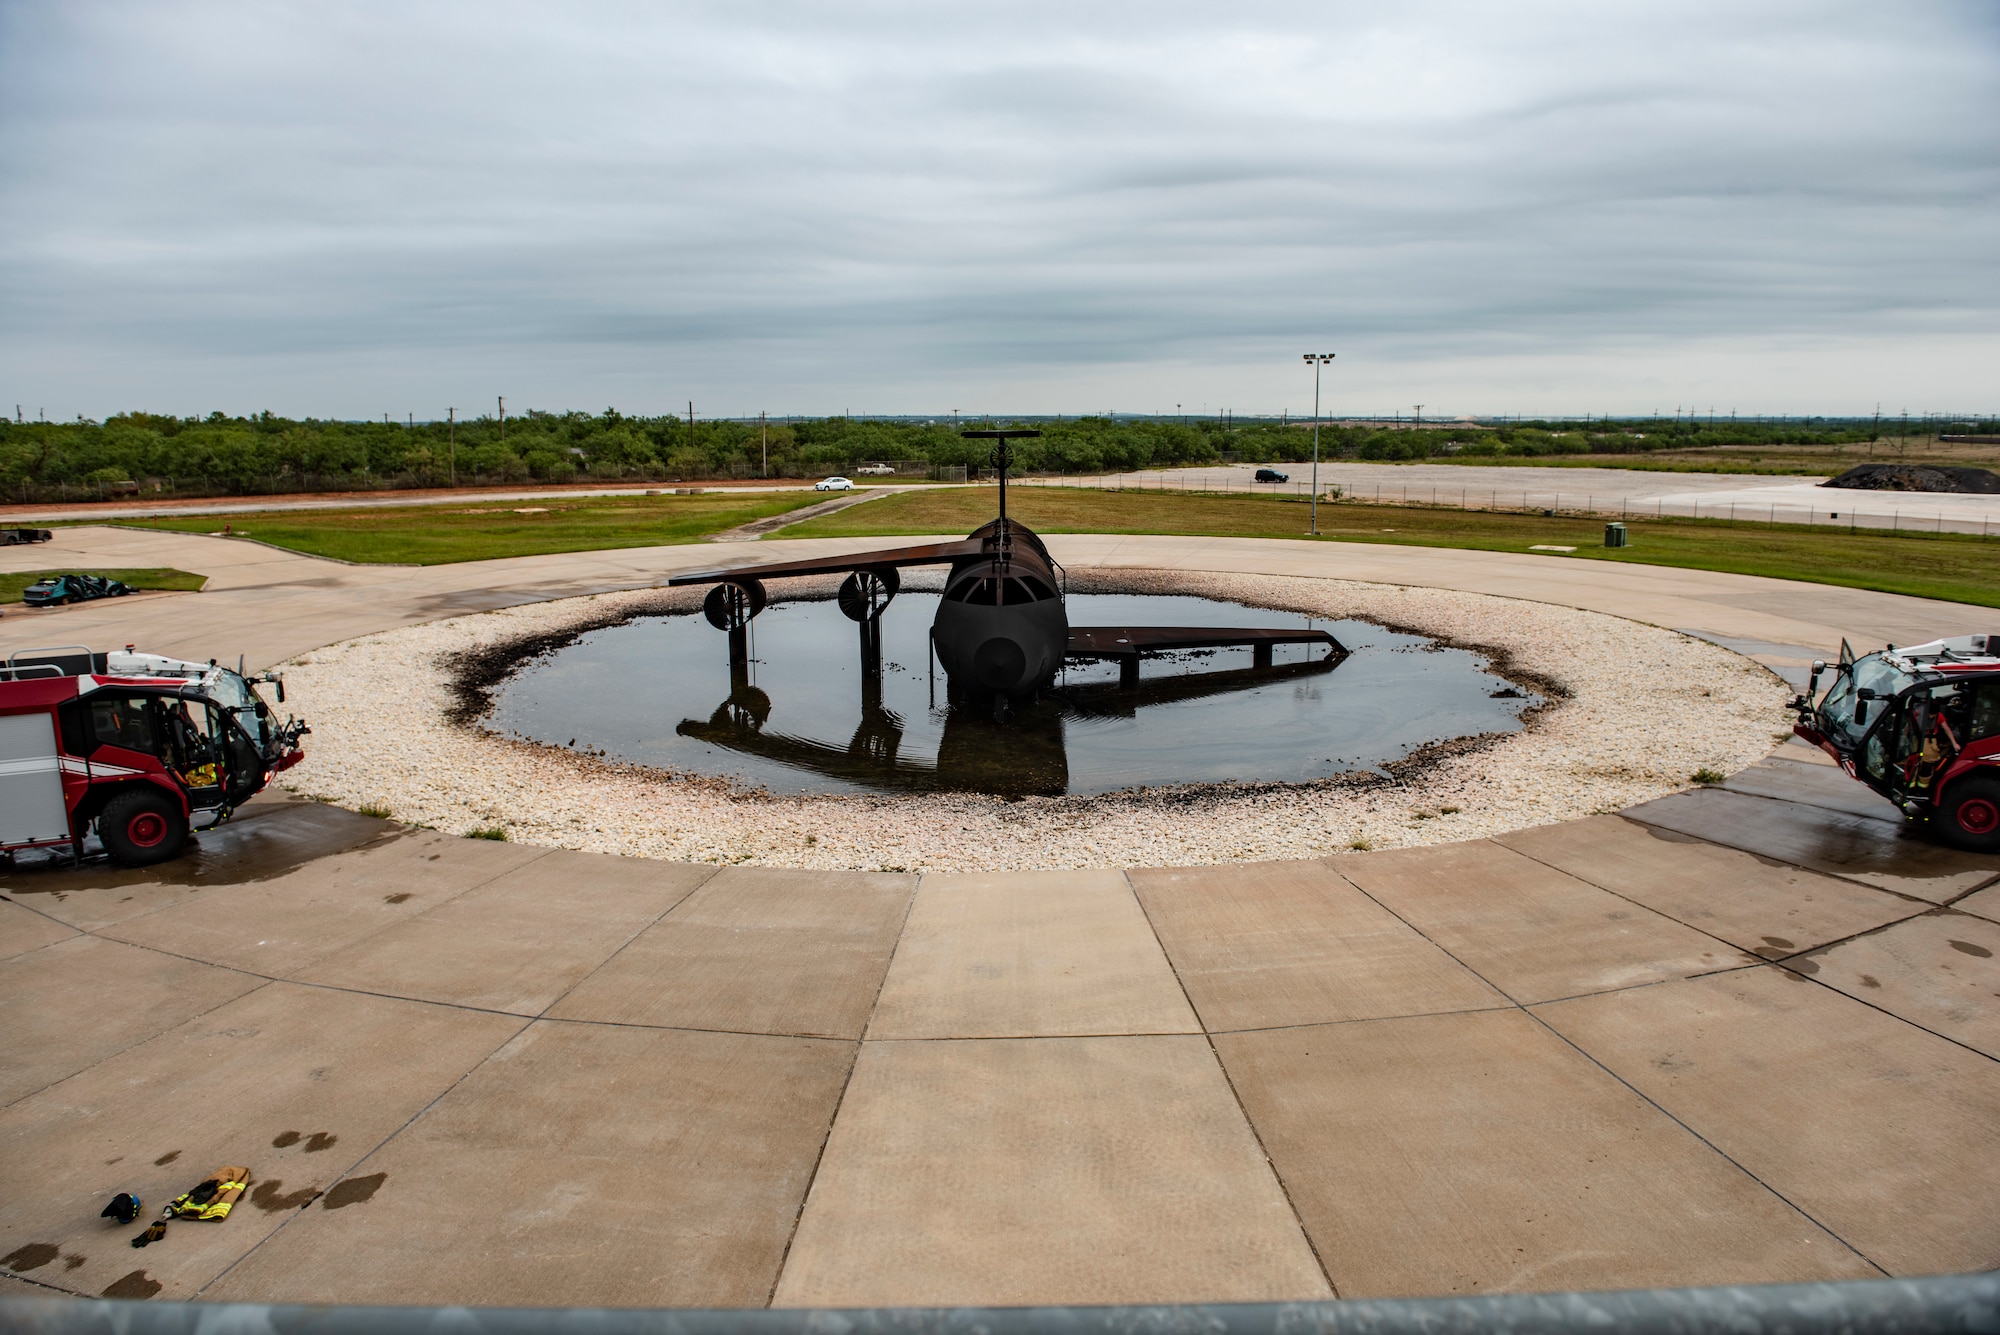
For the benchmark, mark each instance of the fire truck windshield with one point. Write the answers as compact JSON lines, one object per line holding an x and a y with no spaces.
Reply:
{"x":1872,"y":673}
{"x":237,"y":696}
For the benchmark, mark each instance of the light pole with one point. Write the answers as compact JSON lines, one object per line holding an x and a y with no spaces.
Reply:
{"x":1318,"y":359}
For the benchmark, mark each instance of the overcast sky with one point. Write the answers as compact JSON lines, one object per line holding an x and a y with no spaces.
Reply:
{"x":346,"y":209}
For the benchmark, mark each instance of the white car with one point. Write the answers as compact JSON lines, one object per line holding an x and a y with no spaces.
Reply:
{"x":876,"y":470}
{"x":833,"y":484}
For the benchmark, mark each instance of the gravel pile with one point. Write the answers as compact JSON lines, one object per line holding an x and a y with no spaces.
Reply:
{"x":1633,"y":712}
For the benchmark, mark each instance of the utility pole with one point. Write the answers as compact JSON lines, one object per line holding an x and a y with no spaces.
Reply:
{"x":1418,"y":422}
{"x":451,"y":439}
{"x":503,"y":418}
{"x":690,"y":423}
{"x":1318,"y":359}
{"x":764,"y":436}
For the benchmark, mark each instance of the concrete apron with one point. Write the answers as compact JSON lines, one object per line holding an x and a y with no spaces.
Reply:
{"x":1737,"y":1035}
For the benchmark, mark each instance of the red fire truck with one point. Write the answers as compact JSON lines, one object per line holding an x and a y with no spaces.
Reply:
{"x":1921,"y":726}
{"x":138,"y":749}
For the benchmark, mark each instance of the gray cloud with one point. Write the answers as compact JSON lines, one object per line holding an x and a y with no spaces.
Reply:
{"x":887,"y":207}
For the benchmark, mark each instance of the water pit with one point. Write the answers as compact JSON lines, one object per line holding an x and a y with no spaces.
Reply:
{"x":657,"y":691}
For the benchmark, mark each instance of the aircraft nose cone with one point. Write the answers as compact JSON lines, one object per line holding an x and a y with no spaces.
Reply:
{"x":998,"y":664}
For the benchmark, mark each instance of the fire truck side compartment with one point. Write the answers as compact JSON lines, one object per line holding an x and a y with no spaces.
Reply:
{"x":31,"y":791}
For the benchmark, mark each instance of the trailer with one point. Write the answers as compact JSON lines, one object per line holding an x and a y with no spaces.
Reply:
{"x":137,"y":749}
{"x":1920,"y":726}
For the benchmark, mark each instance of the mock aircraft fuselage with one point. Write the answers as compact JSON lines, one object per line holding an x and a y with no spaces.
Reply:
{"x":1000,"y":626}
{"x":1001,"y":631}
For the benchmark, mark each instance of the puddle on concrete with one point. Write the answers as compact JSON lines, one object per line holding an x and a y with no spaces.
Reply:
{"x":656,"y":691}
{"x":267,"y":838}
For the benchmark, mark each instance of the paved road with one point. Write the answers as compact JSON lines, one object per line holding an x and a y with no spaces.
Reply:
{"x":1612,"y":492}
{"x":1740,"y":1034}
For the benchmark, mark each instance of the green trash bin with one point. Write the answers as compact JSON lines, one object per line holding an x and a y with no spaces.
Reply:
{"x":1614,"y":535}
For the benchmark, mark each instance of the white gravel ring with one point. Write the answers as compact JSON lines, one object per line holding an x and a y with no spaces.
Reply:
{"x":1639,"y":710}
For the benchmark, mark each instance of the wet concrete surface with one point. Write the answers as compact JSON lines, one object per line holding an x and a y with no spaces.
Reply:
{"x":1813,"y":785}
{"x":1888,"y":854}
{"x":1940,"y":971}
{"x":317,"y":994}
{"x":268,"y":837}
{"x":1532,"y":931}
{"x":1761,"y":905}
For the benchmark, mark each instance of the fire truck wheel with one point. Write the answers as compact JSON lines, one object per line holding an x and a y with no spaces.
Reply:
{"x":1971,"y":814}
{"x":140,"y":828}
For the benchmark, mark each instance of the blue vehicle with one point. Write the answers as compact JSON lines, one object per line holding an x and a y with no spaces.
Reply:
{"x":55,"y":590}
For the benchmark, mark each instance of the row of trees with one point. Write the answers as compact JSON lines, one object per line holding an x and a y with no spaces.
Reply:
{"x":265,"y":453}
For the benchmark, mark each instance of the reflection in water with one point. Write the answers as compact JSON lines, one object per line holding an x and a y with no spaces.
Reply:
{"x":1021,"y":757}
{"x":810,"y":705}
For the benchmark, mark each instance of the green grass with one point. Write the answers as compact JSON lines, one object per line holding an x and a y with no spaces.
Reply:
{"x":11,"y":585}
{"x":480,"y":530}
{"x":1958,"y":568}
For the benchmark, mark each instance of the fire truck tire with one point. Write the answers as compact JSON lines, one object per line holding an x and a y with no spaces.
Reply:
{"x":1970,"y":814}
{"x":141,"y":827}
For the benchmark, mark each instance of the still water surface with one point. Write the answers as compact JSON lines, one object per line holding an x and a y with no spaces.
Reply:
{"x":657,"y":691}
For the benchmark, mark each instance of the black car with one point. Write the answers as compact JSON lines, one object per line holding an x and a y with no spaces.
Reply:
{"x":1272,"y":475}
{"x":55,"y":590}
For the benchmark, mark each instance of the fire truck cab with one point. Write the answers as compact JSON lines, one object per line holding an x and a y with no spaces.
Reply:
{"x":1920,"y":726}
{"x":137,"y":748}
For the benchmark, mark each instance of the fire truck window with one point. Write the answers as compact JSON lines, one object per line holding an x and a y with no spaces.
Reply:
{"x":1875,"y":755}
{"x":1985,"y":710}
{"x":186,"y":733}
{"x":129,"y":722}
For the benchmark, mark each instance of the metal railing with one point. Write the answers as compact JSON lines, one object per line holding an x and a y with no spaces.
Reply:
{"x":1952,"y":1303}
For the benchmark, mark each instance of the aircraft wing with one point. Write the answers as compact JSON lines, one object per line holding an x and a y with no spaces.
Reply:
{"x":927,"y":554}
{"x":1105,"y":700}
{"x":1131,"y":641}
